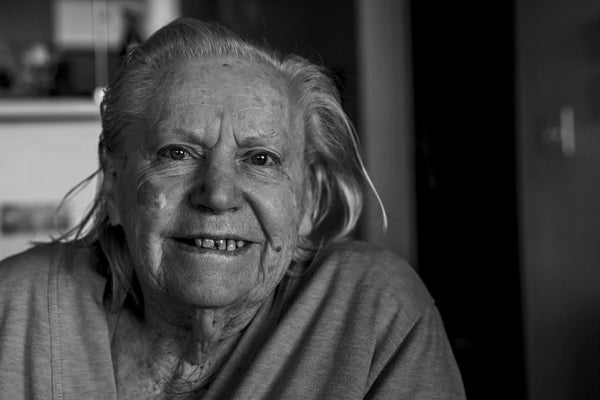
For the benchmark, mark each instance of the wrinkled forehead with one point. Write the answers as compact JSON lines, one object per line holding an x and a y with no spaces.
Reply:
{"x":254,"y":96}
{"x":222,"y":73}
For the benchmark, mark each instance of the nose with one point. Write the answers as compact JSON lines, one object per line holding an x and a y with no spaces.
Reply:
{"x":216,"y":188}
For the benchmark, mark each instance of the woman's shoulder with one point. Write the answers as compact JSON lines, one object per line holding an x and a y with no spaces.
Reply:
{"x":29,"y":267}
{"x":29,"y":271}
{"x":370,"y":271}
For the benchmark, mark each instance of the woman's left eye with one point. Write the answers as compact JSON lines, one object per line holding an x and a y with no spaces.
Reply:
{"x":263,"y":159}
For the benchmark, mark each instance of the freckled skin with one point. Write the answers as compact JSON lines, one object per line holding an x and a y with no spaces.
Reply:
{"x":216,"y":189}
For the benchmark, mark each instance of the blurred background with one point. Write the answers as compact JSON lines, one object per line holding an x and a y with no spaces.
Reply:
{"x":480,"y":123}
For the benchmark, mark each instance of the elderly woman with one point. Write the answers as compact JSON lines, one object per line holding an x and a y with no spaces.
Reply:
{"x":212,"y":265}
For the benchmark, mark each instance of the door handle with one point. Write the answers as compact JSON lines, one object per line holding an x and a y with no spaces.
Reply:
{"x":564,"y":134}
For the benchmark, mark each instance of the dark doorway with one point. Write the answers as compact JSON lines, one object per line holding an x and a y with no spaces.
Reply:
{"x":464,"y":85}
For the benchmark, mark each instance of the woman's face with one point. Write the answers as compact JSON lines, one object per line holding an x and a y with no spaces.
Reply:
{"x":209,"y":190}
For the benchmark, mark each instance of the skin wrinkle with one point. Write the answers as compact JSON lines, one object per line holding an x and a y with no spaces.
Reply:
{"x":248,"y":85}
{"x":152,"y":188}
{"x":163,"y":197}
{"x":179,"y":374}
{"x":293,"y":238}
{"x":209,"y":102}
{"x":151,"y":195}
{"x":270,"y":200}
{"x":136,"y":98}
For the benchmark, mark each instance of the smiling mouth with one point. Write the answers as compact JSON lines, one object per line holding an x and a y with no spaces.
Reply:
{"x":222,"y":244}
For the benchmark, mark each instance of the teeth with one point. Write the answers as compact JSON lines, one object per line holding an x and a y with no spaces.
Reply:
{"x":220,"y":244}
{"x":230,"y":245}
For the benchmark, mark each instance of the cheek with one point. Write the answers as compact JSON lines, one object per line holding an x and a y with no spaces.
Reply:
{"x":147,"y":207}
{"x":278,"y":211}
{"x":147,"y":216}
{"x":152,"y":194}
{"x":152,"y":190}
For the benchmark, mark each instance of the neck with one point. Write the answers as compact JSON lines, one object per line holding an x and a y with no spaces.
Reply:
{"x":194,"y":334}
{"x":178,"y":348}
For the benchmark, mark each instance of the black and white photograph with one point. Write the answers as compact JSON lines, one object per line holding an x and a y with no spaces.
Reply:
{"x":299,"y":200}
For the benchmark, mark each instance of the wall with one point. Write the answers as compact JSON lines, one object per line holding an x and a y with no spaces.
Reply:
{"x":322,"y":31}
{"x":385,"y":119}
{"x":559,"y":65}
{"x":25,"y":22}
{"x":46,"y":150}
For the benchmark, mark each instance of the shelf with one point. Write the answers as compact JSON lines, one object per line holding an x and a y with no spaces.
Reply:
{"x":49,"y":109}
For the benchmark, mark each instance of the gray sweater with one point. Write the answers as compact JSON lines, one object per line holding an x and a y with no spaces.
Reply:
{"x":358,"y":324}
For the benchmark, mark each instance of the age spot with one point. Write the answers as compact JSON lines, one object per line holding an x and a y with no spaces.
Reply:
{"x":152,"y":196}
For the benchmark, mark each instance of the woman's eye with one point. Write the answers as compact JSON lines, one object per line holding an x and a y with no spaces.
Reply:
{"x":263,"y":159}
{"x":177,"y":154}
{"x":174,"y":153}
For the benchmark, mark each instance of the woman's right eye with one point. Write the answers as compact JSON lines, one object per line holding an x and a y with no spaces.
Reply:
{"x":174,"y":153}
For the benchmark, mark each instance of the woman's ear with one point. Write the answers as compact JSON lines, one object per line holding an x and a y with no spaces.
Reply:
{"x":109,"y":191}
